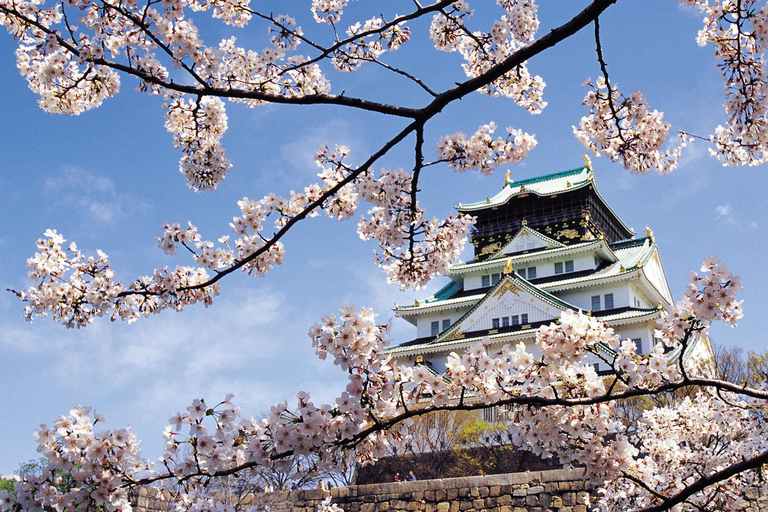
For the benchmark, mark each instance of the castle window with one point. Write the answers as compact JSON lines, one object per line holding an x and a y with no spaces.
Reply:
{"x":595,"y":303}
{"x":495,"y":278}
{"x":531,"y":273}
{"x":495,"y":323}
{"x":559,"y":267}
{"x":435,"y":328}
{"x":521,"y":272}
{"x":524,"y":318}
{"x":505,"y":321}
{"x":569,"y":266}
{"x":446,"y":323}
{"x":608,"y":301}
{"x":486,"y":281}
{"x":639,"y":343}
{"x":515,"y":320}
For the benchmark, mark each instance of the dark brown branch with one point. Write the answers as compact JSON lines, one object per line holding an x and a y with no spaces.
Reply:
{"x":705,"y":481}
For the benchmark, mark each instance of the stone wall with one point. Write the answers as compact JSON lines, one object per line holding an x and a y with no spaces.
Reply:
{"x":533,"y":491}
{"x":556,"y":490}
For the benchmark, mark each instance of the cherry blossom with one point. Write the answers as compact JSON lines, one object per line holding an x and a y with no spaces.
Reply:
{"x":559,"y":407}
{"x":623,"y":128}
{"x":75,"y":54}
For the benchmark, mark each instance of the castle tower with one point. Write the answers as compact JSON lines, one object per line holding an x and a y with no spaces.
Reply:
{"x":541,"y":246}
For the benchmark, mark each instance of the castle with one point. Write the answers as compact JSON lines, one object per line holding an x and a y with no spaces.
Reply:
{"x":541,"y":246}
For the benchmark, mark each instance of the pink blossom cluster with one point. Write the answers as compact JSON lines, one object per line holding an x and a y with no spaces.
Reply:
{"x":484,"y":50}
{"x":702,"y":434}
{"x":625,"y":129}
{"x":558,"y":406}
{"x":75,"y":289}
{"x":708,"y":298}
{"x":72,"y":68}
{"x":738,"y":30}
{"x":84,"y":467}
{"x":368,"y":48}
{"x":480,"y":152}
{"x":414,"y":249}
{"x":198,"y":127}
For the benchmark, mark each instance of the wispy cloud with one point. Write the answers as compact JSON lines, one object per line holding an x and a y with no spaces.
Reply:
{"x":88,"y":194}
{"x":725,"y":213}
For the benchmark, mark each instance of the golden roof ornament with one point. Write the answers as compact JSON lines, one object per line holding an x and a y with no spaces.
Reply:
{"x":508,"y":267}
{"x":649,"y":233}
{"x":587,"y":162}
{"x":508,"y":178}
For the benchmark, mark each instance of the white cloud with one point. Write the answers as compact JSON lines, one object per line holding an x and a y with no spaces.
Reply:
{"x":725,"y":213}
{"x":89,"y":195}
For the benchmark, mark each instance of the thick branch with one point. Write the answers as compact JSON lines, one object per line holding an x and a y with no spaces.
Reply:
{"x":705,"y":481}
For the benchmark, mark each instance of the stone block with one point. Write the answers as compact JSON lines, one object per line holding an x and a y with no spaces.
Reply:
{"x":532,"y":501}
{"x":454,"y":506}
{"x":520,"y":492}
{"x":429,"y":495}
{"x":580,"y":508}
{"x":443,"y":506}
{"x":368,"y":507}
{"x":478,"y":503}
{"x":557,"y":502}
{"x":484,"y":492}
{"x":494,"y":490}
{"x":398,"y":504}
{"x":382,"y":507}
{"x":413,"y":506}
{"x":451,"y":494}
{"x":505,"y":499}
{"x":474,"y":492}
{"x":535,"y":490}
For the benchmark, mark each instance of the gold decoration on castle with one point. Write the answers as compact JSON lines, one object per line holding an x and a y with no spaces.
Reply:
{"x":508,"y":267}
{"x":567,"y":233}
{"x":587,"y":161}
{"x":508,"y":178}
{"x":649,"y":233}
{"x":454,"y":335}
{"x":488,"y":249}
{"x":506,"y":286}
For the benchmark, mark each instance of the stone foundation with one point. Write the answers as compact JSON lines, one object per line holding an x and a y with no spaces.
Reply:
{"x":562,"y":490}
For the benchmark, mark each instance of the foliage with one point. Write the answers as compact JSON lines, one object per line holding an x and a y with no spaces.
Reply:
{"x":7,"y":484}
{"x":74,"y":55}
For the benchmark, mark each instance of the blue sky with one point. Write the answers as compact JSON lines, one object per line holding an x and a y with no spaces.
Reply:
{"x":108,"y":179}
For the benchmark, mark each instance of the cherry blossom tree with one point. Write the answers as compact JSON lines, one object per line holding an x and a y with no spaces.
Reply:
{"x":74,"y":55}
